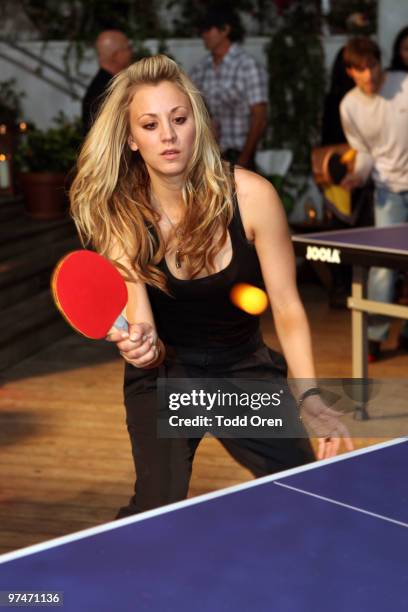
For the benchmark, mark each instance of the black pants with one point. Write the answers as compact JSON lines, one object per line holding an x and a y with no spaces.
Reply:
{"x":164,"y":466}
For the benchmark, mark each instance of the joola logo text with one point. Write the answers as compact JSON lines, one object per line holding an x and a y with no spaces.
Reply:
{"x":323,"y":254}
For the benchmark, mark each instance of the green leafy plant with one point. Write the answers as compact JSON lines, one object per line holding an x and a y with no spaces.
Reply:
{"x":84,"y":19}
{"x":51,"y":150}
{"x":296,"y":82}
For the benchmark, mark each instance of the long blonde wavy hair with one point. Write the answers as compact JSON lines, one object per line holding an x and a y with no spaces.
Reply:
{"x":110,"y":195}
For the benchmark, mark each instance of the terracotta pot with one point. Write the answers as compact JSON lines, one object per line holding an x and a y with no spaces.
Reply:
{"x":44,"y":194}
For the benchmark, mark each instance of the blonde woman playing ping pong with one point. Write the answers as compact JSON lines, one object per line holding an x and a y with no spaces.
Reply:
{"x":152,"y":193}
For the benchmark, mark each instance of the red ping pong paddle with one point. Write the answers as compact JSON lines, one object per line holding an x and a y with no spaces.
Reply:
{"x":90,"y":293}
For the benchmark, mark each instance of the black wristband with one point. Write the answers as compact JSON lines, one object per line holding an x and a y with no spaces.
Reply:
{"x":308,"y":393}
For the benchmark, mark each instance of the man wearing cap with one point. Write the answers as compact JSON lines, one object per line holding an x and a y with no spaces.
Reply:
{"x":234,"y":86}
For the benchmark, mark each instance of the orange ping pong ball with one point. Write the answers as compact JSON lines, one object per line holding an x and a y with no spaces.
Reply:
{"x":249,"y":298}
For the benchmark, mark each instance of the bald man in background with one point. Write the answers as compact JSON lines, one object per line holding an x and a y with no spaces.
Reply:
{"x":115,"y":53}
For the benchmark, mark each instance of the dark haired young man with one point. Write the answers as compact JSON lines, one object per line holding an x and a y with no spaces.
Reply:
{"x":234,"y":86}
{"x":375,"y":120}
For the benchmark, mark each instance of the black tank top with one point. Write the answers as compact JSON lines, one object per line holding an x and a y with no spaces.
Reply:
{"x":199,"y":312}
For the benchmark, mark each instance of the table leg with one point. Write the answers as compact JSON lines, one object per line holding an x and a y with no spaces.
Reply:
{"x":359,"y":338}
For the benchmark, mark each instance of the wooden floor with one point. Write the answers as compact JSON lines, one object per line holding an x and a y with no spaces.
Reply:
{"x":65,"y":461}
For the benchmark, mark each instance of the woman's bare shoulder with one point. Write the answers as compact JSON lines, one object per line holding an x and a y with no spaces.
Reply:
{"x":257,"y":198}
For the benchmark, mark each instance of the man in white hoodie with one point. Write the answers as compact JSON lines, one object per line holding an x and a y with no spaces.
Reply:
{"x":374,"y":116}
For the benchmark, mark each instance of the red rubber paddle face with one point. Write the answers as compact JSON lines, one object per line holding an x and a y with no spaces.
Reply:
{"x":89,"y":292}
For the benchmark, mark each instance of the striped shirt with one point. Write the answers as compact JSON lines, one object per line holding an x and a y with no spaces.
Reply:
{"x":230,"y":89}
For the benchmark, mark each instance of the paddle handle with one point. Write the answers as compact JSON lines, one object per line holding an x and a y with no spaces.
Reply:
{"x":121,"y":323}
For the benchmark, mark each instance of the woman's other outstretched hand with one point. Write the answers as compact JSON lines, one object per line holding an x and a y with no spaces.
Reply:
{"x":325,"y":424}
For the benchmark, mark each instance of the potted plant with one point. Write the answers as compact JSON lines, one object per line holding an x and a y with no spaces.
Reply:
{"x":45,"y":158}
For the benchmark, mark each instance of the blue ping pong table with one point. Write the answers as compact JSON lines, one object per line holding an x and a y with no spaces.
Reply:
{"x":331,"y":535}
{"x":386,"y":247}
